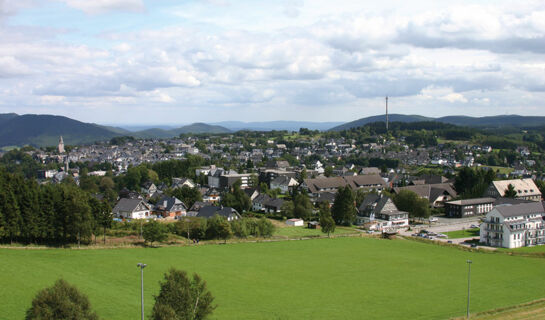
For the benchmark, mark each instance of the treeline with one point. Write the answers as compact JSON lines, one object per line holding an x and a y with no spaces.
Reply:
{"x":48,"y":214}
{"x":218,"y":227}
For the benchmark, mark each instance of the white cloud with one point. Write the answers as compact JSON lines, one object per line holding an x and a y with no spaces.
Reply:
{"x":105,"y":6}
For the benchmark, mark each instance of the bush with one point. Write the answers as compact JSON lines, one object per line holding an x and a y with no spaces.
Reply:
{"x":182,"y":298}
{"x":62,"y":301}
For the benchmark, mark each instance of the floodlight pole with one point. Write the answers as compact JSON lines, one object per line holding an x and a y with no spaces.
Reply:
{"x":468,"y":285}
{"x":142,"y":266}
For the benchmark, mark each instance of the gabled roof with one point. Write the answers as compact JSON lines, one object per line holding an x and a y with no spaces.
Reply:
{"x":129,"y":205}
{"x":170,"y":204}
{"x":275,"y":203}
{"x":210,"y":211}
{"x":430,"y":191}
{"x":262,"y":198}
{"x":524,"y":187}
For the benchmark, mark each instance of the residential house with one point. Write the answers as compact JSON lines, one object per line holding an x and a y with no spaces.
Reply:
{"x":514,"y":226}
{"x":258,"y":204}
{"x":180,"y":182}
{"x":436,"y":194}
{"x":526,"y":189}
{"x":378,"y":212}
{"x":170,"y":207}
{"x":284,"y":183}
{"x":208,"y":212}
{"x":274,"y":205}
{"x":132,"y":209}
{"x":212,"y":195}
{"x":148,"y":189}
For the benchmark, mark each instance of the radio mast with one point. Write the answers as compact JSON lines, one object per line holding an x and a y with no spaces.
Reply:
{"x":386,"y":113}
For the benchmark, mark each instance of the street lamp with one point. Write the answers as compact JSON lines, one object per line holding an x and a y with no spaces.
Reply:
{"x":468,"y":284}
{"x":142,"y":266}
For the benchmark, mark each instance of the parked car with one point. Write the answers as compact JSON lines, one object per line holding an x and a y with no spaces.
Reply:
{"x":474,"y":245}
{"x":474,"y":226}
{"x":440,"y":235}
{"x":450,"y":241}
{"x":433,"y":219}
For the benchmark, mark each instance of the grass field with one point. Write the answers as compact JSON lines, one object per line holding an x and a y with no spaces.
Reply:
{"x":295,"y":232}
{"x":534,"y":310}
{"x":462,"y":233}
{"x":342,"y":278}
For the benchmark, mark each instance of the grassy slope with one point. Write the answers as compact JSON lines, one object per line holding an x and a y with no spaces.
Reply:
{"x":344,"y":278}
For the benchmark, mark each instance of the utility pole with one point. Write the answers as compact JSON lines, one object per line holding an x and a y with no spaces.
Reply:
{"x":142,"y":266}
{"x":468,"y":285}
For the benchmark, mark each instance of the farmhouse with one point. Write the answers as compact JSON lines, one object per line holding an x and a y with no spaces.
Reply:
{"x":526,"y":189}
{"x":514,"y":226}
{"x":132,"y":209}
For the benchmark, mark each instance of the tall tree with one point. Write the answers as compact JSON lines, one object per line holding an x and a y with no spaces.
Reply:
{"x":344,"y":210}
{"x":236,"y":198}
{"x":302,"y":207}
{"x":62,"y":301}
{"x":410,"y":202}
{"x":182,"y":298}
{"x":510,"y":192}
{"x":326,"y":221}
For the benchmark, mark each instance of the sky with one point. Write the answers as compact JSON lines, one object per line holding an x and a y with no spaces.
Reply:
{"x":175,"y":62}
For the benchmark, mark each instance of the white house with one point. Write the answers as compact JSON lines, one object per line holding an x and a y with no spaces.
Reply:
{"x":295,"y":222}
{"x":514,"y":226}
{"x":132,"y":209}
{"x":284,"y":183}
{"x":378,"y":212}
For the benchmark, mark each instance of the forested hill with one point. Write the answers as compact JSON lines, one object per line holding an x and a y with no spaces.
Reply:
{"x":45,"y":130}
{"x":465,"y":121}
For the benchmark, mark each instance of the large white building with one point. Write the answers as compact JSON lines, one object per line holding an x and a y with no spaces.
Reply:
{"x":525,"y":188}
{"x":514,"y":226}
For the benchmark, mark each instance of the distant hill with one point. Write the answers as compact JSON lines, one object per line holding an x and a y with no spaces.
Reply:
{"x":277,"y":125}
{"x":44,"y":130}
{"x":495,"y":121}
{"x":515,"y":121}
{"x":192,"y":128}
{"x":381,"y":118}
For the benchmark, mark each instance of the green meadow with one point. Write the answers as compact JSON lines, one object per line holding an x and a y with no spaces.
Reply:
{"x":341,"y":278}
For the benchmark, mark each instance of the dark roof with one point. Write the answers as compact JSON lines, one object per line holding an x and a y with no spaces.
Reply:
{"x":521,"y":209}
{"x":262,"y":198}
{"x":198,"y":205}
{"x":469,"y":202}
{"x":275,"y":203}
{"x":501,"y":201}
{"x":169,"y":203}
{"x":210,"y":211}
{"x":128,"y":205}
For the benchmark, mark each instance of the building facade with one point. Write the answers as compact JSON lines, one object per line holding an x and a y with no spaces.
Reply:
{"x":514,"y":226}
{"x":468,"y":207}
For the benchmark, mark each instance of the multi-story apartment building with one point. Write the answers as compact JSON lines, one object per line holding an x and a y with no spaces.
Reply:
{"x":468,"y":207}
{"x":514,"y":226}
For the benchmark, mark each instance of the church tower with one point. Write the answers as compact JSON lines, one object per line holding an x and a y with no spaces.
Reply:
{"x":61,"y":145}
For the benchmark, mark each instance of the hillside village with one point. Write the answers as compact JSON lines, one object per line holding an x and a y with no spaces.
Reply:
{"x":272,"y":167}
